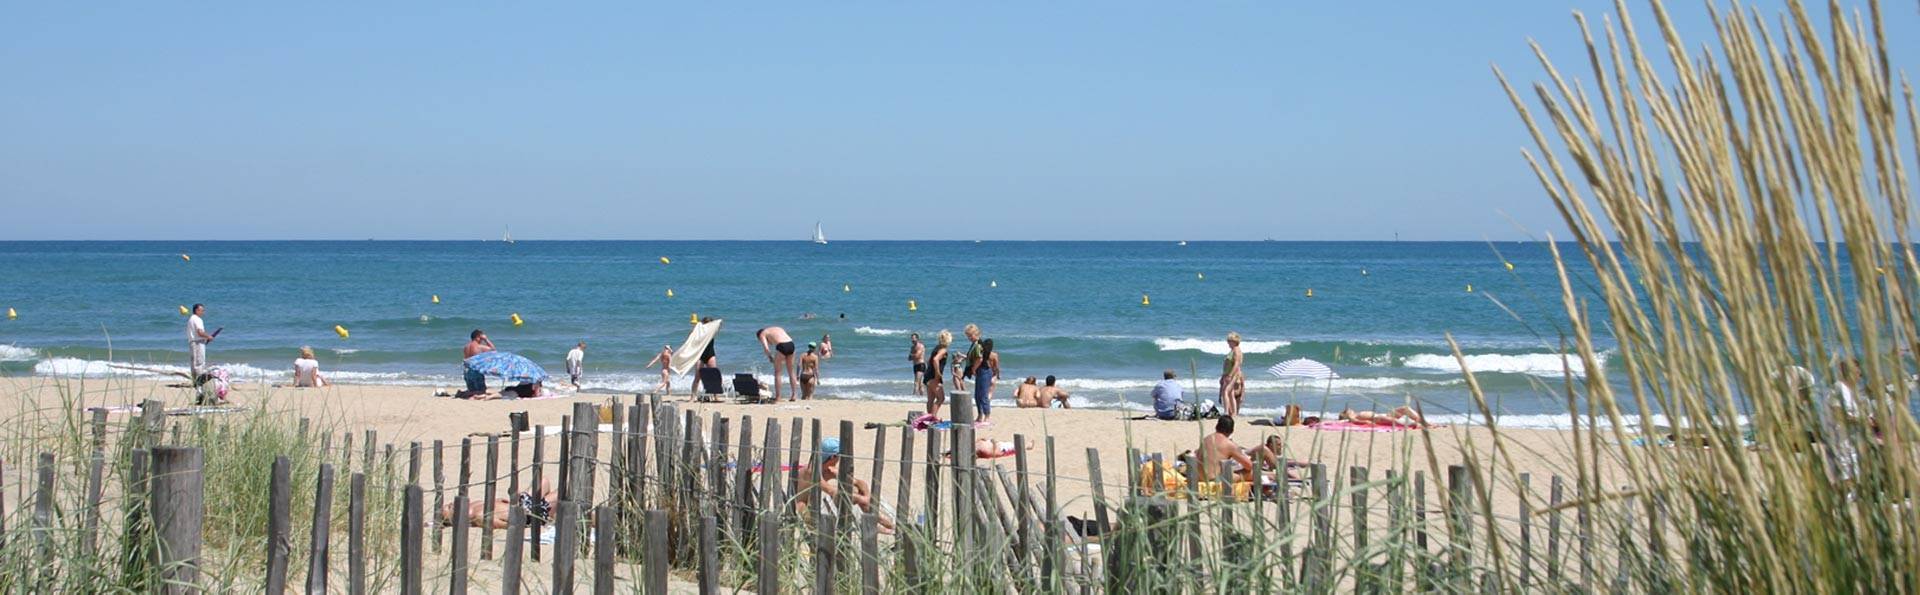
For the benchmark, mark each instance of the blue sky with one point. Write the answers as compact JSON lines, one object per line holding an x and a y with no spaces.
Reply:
{"x":1067,"y":120}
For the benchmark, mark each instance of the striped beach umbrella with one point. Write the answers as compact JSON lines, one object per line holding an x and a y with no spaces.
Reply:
{"x":1303,"y":368}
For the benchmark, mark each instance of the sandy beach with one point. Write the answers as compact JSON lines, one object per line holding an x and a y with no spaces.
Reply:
{"x":404,"y":414}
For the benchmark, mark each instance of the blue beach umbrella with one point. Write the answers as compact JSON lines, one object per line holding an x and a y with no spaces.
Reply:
{"x":1303,"y":368}
{"x":513,"y":368}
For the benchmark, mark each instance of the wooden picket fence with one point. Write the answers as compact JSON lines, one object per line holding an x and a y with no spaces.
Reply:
{"x":674,"y":491}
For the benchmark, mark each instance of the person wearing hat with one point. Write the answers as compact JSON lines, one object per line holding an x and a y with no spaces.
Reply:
{"x":830,"y":483}
{"x":809,"y":371}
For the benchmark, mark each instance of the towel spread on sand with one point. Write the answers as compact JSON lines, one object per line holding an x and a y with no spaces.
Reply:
{"x":689,"y":353}
{"x":1347,"y":426}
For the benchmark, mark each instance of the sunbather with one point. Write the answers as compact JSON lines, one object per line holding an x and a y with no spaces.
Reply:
{"x":1401,"y":417}
{"x":830,"y":483}
{"x":503,"y":506}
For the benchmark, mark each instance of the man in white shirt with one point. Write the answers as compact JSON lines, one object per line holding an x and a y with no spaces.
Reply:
{"x":197,"y":340}
{"x":574,"y":357}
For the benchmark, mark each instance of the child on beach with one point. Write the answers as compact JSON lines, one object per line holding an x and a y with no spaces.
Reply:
{"x":862,"y":495}
{"x":665,"y":357}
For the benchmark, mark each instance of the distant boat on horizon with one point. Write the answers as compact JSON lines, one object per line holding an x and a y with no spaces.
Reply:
{"x":1183,"y":242}
{"x":507,"y":235}
{"x":819,"y":237}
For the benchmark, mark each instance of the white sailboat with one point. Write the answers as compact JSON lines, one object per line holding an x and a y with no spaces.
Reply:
{"x":507,"y":236}
{"x":819,"y":237}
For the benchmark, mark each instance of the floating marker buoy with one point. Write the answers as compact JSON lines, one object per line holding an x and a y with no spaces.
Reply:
{"x":993,"y":284}
{"x":184,"y":311}
{"x":1144,"y":301}
{"x":912,"y":306}
{"x":1309,"y":292}
{"x":663,"y":260}
{"x":12,"y":314}
{"x":1363,"y":272}
{"x":1469,"y":288}
{"x":1201,"y":276}
{"x":846,"y":288}
{"x":693,"y":318}
{"x":436,"y":298}
{"x":516,"y":319}
{"x":1509,"y":266}
{"x":186,"y":258}
{"x":669,"y":292}
{"x":340,"y":330}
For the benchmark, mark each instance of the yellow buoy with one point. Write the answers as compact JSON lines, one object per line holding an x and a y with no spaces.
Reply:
{"x":186,"y":258}
{"x":693,"y":318}
{"x":12,"y":314}
{"x":1509,"y":266}
{"x":1309,"y":292}
{"x":663,"y":260}
{"x":1144,"y":301}
{"x":340,"y":330}
{"x":516,"y":319}
{"x":1469,"y":288}
{"x":847,"y":288}
{"x":669,"y":292}
{"x":436,"y":298}
{"x":912,"y":306}
{"x":184,"y":311}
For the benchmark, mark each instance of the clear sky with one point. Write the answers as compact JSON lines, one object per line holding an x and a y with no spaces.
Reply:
{"x":716,"y":120}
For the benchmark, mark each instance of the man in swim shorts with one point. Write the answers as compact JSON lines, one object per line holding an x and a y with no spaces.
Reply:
{"x":1218,"y":448}
{"x":1050,"y":394}
{"x":917,"y":354}
{"x":778,"y":346}
{"x":477,"y":343}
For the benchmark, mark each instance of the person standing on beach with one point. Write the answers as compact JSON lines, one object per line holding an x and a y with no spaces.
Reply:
{"x":1233,"y":380}
{"x":917,"y":354}
{"x":936,"y":367}
{"x":708,"y":359}
{"x":197,"y":340}
{"x":665,"y":357}
{"x":986,"y":371}
{"x":574,"y":359}
{"x":809,"y":371}
{"x":775,"y":339}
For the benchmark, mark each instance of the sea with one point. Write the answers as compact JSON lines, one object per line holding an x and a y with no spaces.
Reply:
{"x":1105,"y":318}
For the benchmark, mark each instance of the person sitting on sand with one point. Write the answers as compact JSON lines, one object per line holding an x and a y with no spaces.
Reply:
{"x":1053,"y":394}
{"x":1269,"y":458}
{"x":809,"y":371}
{"x":503,"y":506}
{"x":306,"y":370}
{"x":775,"y":339}
{"x":665,"y":358}
{"x":988,"y":448}
{"x":1401,"y":417}
{"x":1027,"y":394}
{"x":862,"y":495}
{"x":1166,"y":397}
{"x":1218,"y":448}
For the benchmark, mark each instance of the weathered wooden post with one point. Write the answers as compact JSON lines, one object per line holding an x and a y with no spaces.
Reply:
{"x":178,"y":502}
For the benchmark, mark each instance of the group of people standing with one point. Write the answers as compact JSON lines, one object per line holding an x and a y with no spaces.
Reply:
{"x":779,"y":348}
{"x":982,"y":366}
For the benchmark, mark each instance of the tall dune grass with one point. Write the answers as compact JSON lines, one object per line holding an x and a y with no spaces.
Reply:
{"x":1746,"y":209}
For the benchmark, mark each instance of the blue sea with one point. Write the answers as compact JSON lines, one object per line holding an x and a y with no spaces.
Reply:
{"x":1378,"y":313}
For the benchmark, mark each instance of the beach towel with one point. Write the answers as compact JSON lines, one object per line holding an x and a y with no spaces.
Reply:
{"x":1347,"y":426}
{"x":688,"y":355}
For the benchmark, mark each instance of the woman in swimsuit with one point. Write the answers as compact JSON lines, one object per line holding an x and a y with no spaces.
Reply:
{"x":809,"y":371}
{"x":1233,"y":382}
{"x":936,"y":366}
{"x":1401,"y":417}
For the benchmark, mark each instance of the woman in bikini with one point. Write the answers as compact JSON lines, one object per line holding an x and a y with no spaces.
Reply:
{"x":934,"y":382}
{"x":1401,"y":417}
{"x":1233,"y":381}
{"x":809,"y":371}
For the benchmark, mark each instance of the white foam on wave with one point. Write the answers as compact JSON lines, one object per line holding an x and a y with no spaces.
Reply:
{"x":1537,"y":364}
{"x":15,"y":353}
{"x":346,"y":351}
{"x":68,"y":367}
{"x":879,"y":332}
{"x":1217,"y":346}
{"x":1208,"y":384}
